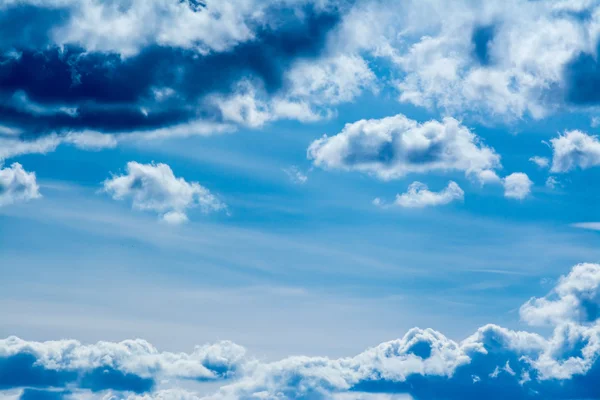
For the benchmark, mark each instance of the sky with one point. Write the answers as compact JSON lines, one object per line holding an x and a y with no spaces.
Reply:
{"x":299,"y":199}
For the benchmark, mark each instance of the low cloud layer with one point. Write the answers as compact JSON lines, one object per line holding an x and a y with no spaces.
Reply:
{"x":494,"y":362}
{"x":154,"y":187}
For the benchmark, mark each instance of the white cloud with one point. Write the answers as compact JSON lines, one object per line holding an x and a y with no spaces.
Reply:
{"x":211,"y":361}
{"x":295,"y":175}
{"x":154,"y":187}
{"x":551,"y":182}
{"x":517,"y":186}
{"x":594,"y":226}
{"x":419,"y":196}
{"x":517,"y":69}
{"x":575,"y":149}
{"x":575,"y":298}
{"x":396,"y":146}
{"x":493,"y":362}
{"x":542,"y":162}
{"x":17,"y":185}
{"x":90,"y":140}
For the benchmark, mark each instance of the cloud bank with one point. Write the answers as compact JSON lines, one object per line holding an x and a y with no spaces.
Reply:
{"x":494,"y":362}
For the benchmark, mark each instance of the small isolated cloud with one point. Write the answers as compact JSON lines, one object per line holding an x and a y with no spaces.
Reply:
{"x":395,"y":146}
{"x":419,"y":196}
{"x":593,"y":226}
{"x":295,"y":175}
{"x":552,"y":182}
{"x":575,"y":149}
{"x":542,"y":162}
{"x":517,"y":186}
{"x":154,"y":187}
{"x":575,"y":298}
{"x":17,"y":185}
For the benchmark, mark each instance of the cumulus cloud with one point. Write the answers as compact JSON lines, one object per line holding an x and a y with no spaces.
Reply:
{"x":498,"y":60}
{"x":154,"y":187}
{"x":129,"y":366}
{"x":517,"y":186}
{"x":396,"y":146}
{"x":494,"y":362}
{"x":575,"y":149}
{"x":419,"y":196}
{"x":17,"y":185}
{"x":575,"y":298}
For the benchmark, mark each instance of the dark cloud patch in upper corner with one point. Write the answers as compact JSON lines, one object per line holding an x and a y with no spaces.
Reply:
{"x":24,"y":26}
{"x":108,"y":92}
{"x":481,"y":39}
{"x":582,"y":80}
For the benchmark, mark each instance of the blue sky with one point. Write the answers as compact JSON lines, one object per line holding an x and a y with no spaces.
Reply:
{"x":301,"y":178}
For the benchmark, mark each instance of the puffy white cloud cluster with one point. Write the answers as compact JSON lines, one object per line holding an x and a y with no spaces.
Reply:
{"x":154,"y":187}
{"x":393,"y":147}
{"x":575,"y":298}
{"x":501,"y":60}
{"x":17,"y":185}
{"x":137,"y":357}
{"x":517,"y":186}
{"x":575,"y":149}
{"x":494,"y":362}
{"x":419,"y":196}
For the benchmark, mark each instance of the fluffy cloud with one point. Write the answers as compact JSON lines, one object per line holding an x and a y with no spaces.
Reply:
{"x":494,"y":362}
{"x":576,"y":298}
{"x":541,"y":162}
{"x":495,"y":59}
{"x":17,"y":185}
{"x":418,"y":196}
{"x":517,"y":186}
{"x":396,"y":146}
{"x":575,"y":149}
{"x":154,"y":187}
{"x":129,"y":366}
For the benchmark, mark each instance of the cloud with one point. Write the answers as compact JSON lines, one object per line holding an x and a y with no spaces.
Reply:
{"x":295,"y":175}
{"x":17,"y":185}
{"x":575,"y":298}
{"x":496,"y":60}
{"x":594,"y":226}
{"x":552,"y":182}
{"x":164,"y":68}
{"x":419,"y":196}
{"x":517,"y":186}
{"x":154,"y":187}
{"x":128,"y":366}
{"x":494,"y":362}
{"x":541,"y":162}
{"x":395,"y":146}
{"x":575,"y":149}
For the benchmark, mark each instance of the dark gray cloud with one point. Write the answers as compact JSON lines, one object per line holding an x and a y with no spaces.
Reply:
{"x":48,"y":87}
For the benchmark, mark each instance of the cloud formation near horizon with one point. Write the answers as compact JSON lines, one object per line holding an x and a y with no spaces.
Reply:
{"x":494,"y":362}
